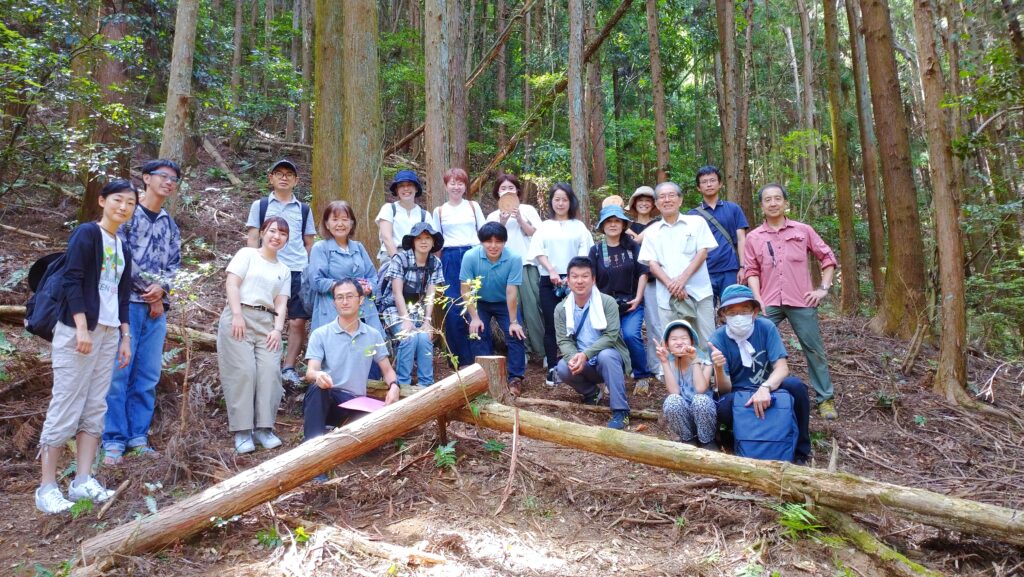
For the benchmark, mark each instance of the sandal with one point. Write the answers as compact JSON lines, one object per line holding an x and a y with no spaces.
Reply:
{"x":113,"y":457}
{"x":144,"y":451}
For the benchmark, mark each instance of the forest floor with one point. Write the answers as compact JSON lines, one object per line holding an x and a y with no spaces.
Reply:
{"x":570,"y":513}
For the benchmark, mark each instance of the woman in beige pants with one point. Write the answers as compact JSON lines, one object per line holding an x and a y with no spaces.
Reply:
{"x":249,"y":337}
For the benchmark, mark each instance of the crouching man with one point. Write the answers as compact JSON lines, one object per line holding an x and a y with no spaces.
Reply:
{"x":593,"y":352}
{"x":749,"y":359}
{"x":338,"y":358}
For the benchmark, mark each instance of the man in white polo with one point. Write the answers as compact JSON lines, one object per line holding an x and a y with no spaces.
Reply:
{"x":675,"y":249}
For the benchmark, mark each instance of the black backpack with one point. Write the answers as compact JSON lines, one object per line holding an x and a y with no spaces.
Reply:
{"x":44,"y":279}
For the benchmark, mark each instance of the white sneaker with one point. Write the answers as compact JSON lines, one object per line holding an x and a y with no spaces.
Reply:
{"x":267,"y":438}
{"x":52,"y":501}
{"x":243,"y":442}
{"x":90,"y":489}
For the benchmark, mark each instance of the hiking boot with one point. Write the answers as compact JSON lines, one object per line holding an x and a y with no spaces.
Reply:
{"x":90,"y":489}
{"x":619,"y":420}
{"x":642,"y":386}
{"x":51,"y":501}
{"x":711,"y":445}
{"x":515,"y":386}
{"x":243,"y":442}
{"x":593,"y":399}
{"x":267,"y":439}
{"x":290,"y":376}
{"x":827,"y":410}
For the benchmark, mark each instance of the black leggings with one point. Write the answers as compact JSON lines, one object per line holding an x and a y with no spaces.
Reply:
{"x":548,"y":302}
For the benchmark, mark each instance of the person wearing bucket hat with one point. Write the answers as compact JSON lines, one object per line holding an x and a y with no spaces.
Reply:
{"x":776,"y":270}
{"x":729,"y":227}
{"x":521,"y":220}
{"x":641,"y":206}
{"x":749,"y":357}
{"x":689,"y":407}
{"x":620,"y":276}
{"x":406,"y":301}
{"x":395,"y":219}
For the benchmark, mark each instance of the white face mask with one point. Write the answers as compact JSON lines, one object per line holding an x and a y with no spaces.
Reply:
{"x":740,"y":324}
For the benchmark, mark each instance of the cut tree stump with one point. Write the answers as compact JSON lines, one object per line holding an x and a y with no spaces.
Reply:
{"x":284,"y":472}
{"x":841,"y":491}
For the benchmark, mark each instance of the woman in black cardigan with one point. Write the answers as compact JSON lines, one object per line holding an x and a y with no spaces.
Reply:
{"x":91,"y":333}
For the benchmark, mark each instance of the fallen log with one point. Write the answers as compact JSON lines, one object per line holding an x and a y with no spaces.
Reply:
{"x":212,"y":151}
{"x":27,"y":233}
{"x":570,"y":406}
{"x":890,"y":560}
{"x":284,"y":472}
{"x":841,"y":491}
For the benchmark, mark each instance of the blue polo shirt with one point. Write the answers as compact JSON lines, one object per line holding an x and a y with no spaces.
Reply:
{"x":347,"y":358}
{"x":724,"y":258}
{"x":496,"y":275}
{"x":768,"y":348}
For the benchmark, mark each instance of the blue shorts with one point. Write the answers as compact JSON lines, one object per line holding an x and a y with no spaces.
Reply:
{"x":296,"y":309}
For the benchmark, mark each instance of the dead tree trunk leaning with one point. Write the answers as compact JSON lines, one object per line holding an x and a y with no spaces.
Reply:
{"x":285,"y":472}
{"x":841,"y":491}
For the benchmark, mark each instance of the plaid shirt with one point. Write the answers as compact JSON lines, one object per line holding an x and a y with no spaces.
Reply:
{"x":156,"y":251}
{"x":403,"y":266}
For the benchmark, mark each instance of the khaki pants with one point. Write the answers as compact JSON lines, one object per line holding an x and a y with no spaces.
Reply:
{"x":700,"y":314}
{"x":529,"y":301}
{"x":250,"y":373}
{"x":80,"y":384}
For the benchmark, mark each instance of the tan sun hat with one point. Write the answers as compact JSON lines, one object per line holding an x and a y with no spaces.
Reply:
{"x":638,"y":193}
{"x":613,"y":200}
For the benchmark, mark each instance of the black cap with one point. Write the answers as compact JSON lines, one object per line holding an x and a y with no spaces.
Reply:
{"x":284,"y":162}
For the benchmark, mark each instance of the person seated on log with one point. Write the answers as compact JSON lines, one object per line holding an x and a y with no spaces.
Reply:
{"x":587,"y":332}
{"x":414,"y":274}
{"x":338,"y":360}
{"x":499,"y":272}
{"x":689,"y":407}
{"x":748,"y":357}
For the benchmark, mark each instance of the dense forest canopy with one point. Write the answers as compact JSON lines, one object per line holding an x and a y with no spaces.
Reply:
{"x":753,"y":86}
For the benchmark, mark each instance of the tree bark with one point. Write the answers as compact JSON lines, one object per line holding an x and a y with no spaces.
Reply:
{"x":595,"y":107}
{"x":440,"y":132}
{"x":286,"y":471}
{"x":236,"y":55}
{"x":295,"y":49}
{"x":362,"y":130}
{"x":728,"y":93}
{"x":869,"y":148}
{"x":951,"y":373}
{"x":850,"y":289}
{"x":743,"y":195}
{"x":268,"y":38}
{"x":327,"y":93}
{"x":305,"y":110}
{"x":527,"y":88}
{"x":179,"y":86}
{"x":841,"y":491}
{"x":501,"y":89}
{"x":577,"y":122}
{"x":902,"y":308}
{"x":657,"y":92}
{"x":807,"y":119}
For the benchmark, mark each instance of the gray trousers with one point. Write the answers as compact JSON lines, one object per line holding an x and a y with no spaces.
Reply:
{"x":700,"y":314}
{"x":652,"y":319}
{"x":250,"y":373}
{"x":804,"y":321}
{"x":529,"y":301}
{"x":80,"y":384}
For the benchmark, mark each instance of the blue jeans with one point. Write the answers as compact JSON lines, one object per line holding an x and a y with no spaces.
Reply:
{"x":456,"y":327}
{"x":631,"y":326}
{"x":415,"y":348}
{"x":605,"y":368}
{"x":720,"y":280}
{"x":484,"y":346}
{"x":132,"y":395}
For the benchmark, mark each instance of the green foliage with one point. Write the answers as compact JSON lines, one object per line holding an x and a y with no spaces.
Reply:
{"x":494,"y":446}
{"x":751,"y":569}
{"x":301,"y":536}
{"x":445,"y":457}
{"x":167,"y":361}
{"x":797,"y":521}
{"x":81,"y":507}
{"x":268,"y":538}
{"x":920,"y":420}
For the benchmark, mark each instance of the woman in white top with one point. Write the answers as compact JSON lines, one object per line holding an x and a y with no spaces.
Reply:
{"x":521,"y":222}
{"x":556,"y":241}
{"x":396,"y":219}
{"x":249,"y":337}
{"x":457,"y":220}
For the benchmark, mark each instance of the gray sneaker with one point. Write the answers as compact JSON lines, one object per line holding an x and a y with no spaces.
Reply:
{"x":243,"y":442}
{"x":90,"y":489}
{"x":51,"y":501}
{"x":267,"y":438}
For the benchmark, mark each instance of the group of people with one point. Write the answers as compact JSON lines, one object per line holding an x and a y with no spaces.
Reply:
{"x":639,"y":302}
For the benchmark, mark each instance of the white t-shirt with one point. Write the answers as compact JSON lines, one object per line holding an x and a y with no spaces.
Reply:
{"x":560,"y":240}
{"x":111,"y":270}
{"x":674,"y":248}
{"x":458,"y":224}
{"x":518,"y":242}
{"x":401,"y":221}
{"x":262,"y":280}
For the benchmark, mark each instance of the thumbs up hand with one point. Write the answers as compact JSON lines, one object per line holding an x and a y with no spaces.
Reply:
{"x":717,"y":358}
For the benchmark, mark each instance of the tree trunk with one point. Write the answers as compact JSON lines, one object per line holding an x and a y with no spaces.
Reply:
{"x":83,"y":64}
{"x":305,"y":110}
{"x":595,"y":107}
{"x":236,"y":55}
{"x":471,"y":37}
{"x":327,"y":93}
{"x":743,"y":194}
{"x":295,"y":49}
{"x":288,"y":470}
{"x":362,"y":129}
{"x":527,"y":89}
{"x":456,"y":86}
{"x":268,"y":39}
{"x":808,"y":105}
{"x":902,"y":308}
{"x":850,"y":290}
{"x":841,"y":491}
{"x":869,"y":147}
{"x":179,"y":87}
{"x":620,"y":172}
{"x":439,"y":133}
{"x":728,"y":93}
{"x":657,"y":92}
{"x":501,"y":90}
{"x":111,"y":78}
{"x":951,"y":373}
{"x":577,"y":122}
